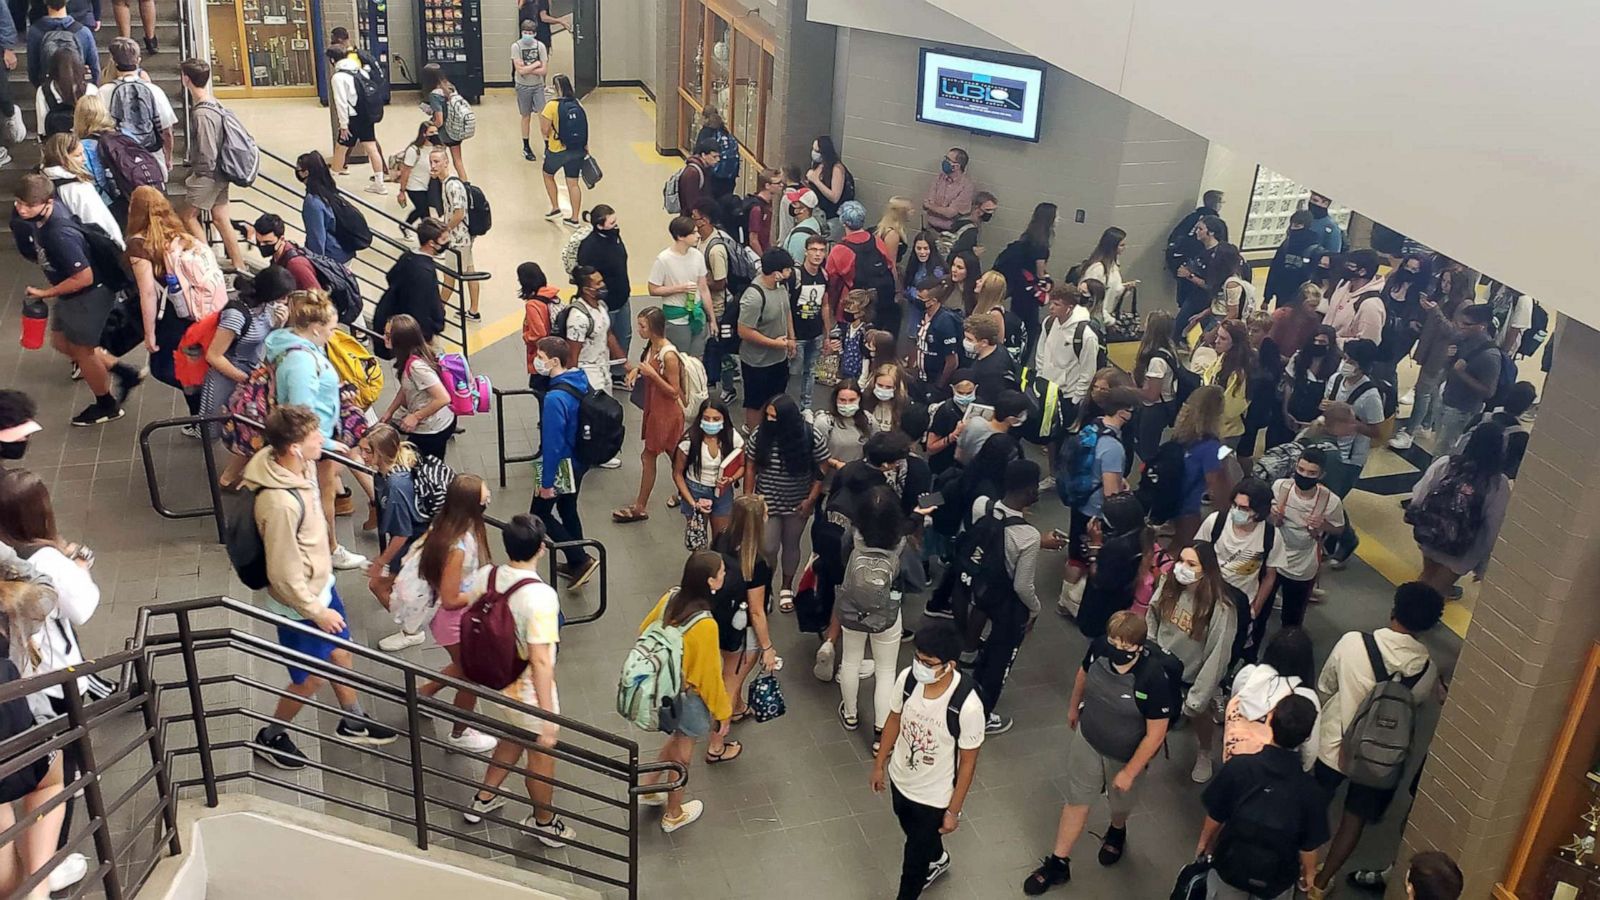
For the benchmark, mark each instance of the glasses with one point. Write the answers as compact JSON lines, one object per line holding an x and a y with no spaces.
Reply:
{"x":1243,"y":507}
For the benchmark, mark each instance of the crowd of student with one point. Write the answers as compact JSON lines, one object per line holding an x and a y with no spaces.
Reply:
{"x":944,"y":379}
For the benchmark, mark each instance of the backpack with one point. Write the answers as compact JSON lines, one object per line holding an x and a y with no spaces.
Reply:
{"x":1536,"y":333}
{"x":1451,"y":516}
{"x":412,"y":601}
{"x":238,"y":157}
{"x":469,"y":394}
{"x":460,"y":122}
{"x":1184,"y":380}
{"x":430,"y":479}
{"x":670,"y":199}
{"x":946,"y":240}
{"x":489,"y":638}
{"x":335,"y":278}
{"x":980,"y":563}
{"x":1102,"y":357}
{"x":652,"y":672}
{"x":1050,"y":416}
{"x":131,"y":166}
{"x":572,"y":124}
{"x":370,"y":90}
{"x":743,"y":263}
{"x":696,"y":385}
{"x":871,"y":273}
{"x":110,"y":264}
{"x":189,"y":359}
{"x":1191,"y":883}
{"x":1377,"y":741}
{"x":356,"y":366}
{"x":1279,"y":462}
{"x":1267,"y":540}
{"x":866,"y":597}
{"x":1507,"y":378}
{"x":563,"y":320}
{"x":1160,"y":489}
{"x":58,"y":117}
{"x":205,"y":288}
{"x":350,"y":227}
{"x":600,"y":427}
{"x":479,"y":217}
{"x":1075,"y":462}
{"x":132,"y":106}
{"x":952,"y":712}
{"x":246,"y":550}
{"x":58,"y":39}
{"x":569,"y":250}
{"x":1257,"y":852}
{"x":1386,"y":393}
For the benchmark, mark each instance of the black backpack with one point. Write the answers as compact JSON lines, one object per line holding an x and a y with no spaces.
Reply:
{"x":58,"y":115}
{"x":246,"y":550}
{"x":370,"y":93}
{"x":1257,"y":852}
{"x":563,"y":319}
{"x":872,"y":274}
{"x":350,"y":227}
{"x":964,"y":686}
{"x":572,"y":124}
{"x":110,"y":264}
{"x":600,"y":427}
{"x":1184,"y":381}
{"x":1536,"y":333}
{"x":1102,"y":357}
{"x":1160,"y":489}
{"x":1386,"y":391}
{"x":479,"y":217}
{"x":980,"y":564}
{"x":342,"y":287}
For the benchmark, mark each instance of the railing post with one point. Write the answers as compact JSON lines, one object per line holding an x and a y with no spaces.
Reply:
{"x":209,"y":452}
{"x":414,"y":727}
{"x":197,"y":711}
{"x":633,"y":822}
{"x":158,"y":753}
{"x":92,"y":798}
{"x":500,"y":432}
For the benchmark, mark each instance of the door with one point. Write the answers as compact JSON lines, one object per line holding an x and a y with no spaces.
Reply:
{"x":585,"y":46}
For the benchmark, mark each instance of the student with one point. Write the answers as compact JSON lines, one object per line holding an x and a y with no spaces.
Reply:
{"x":268,"y":234}
{"x":695,"y":179}
{"x":891,"y":229}
{"x":355,"y":128}
{"x":1433,"y":352}
{"x":1192,"y":618}
{"x":300,"y":580}
{"x":436,"y":90}
{"x":63,"y":162}
{"x":1355,"y":306}
{"x":1011,"y":409}
{"x":1353,"y":386}
{"x":316,"y":210}
{"x":1454,"y":534}
{"x":558,"y":156}
{"x":1515,"y":420}
{"x":560,"y":473}
{"x":707,"y":462}
{"x":236,"y":347}
{"x":1023,"y":262}
{"x":993,"y":370}
{"x":885,"y":401}
{"x":1195,"y":292}
{"x":784,"y":466}
{"x":206,"y":188}
{"x":1472,"y":376}
{"x":1347,"y":678}
{"x":1102,"y":266}
{"x":1307,"y":372}
{"x":929,"y":754}
{"x":529,"y":57}
{"x":1304,"y":510}
{"x":766,"y":335}
{"x":1124,"y":563}
{"x":1104,"y":472}
{"x":1231,"y":371}
{"x":1205,"y":458}
{"x":421,"y":406}
{"x":1155,"y":374}
{"x":923,"y":263}
{"x":55,"y":18}
{"x":742,"y":608}
{"x":991,"y":299}
{"x":811,"y":315}
{"x":833,"y":185}
{"x":536,"y":611}
{"x":399,"y":516}
{"x":453,"y":206}
{"x":859,"y":251}
{"x":844,"y":426}
{"x":704,"y":706}
{"x":801,"y":204}
{"x":587,"y":324}
{"x":1068,"y":350}
{"x":724,"y":173}
{"x":758,"y":219}
{"x":413,"y":280}
{"x":1250,"y":550}
{"x":1286,"y":669}
{"x":1122,"y":702}
{"x":602,"y":248}
{"x":849,"y":337}
{"x":540,"y":302}
{"x":678,"y":278}
{"x":718,"y":247}
{"x":79,"y":304}
{"x":937,"y":335}
{"x":17,"y":424}
{"x":661,"y":369}
{"x":415,"y":179}
{"x":66,"y":81}
{"x":140,"y":109}
{"x":1264,"y":817}
{"x":875,"y":539}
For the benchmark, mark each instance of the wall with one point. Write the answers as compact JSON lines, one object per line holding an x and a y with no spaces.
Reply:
{"x":1120,"y":164}
{"x":1233,"y":174}
{"x":628,"y":42}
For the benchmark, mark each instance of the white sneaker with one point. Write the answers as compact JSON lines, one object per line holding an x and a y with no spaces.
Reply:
{"x":614,"y":462}
{"x":692,"y":810}
{"x":659,"y":798}
{"x":401,"y":640}
{"x":481,"y":808}
{"x":471,"y":740}
{"x":556,"y":833}
{"x":375,"y":187}
{"x":69,"y":873}
{"x":1071,"y":598}
{"x":1409,"y":398}
{"x":867,"y":669}
{"x":824,"y":667}
{"x":1202,"y":769}
{"x":343,"y":560}
{"x":191,"y":431}
{"x":1401,"y":441}
{"x":1047,"y":484}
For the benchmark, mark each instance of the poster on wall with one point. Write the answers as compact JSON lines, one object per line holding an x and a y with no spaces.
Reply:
{"x":979,"y":95}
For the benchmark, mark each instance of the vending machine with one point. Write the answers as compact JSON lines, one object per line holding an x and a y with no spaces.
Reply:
{"x":450,"y":33}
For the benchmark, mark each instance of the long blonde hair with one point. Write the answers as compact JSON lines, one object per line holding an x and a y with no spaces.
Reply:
{"x":90,"y":117}
{"x":25,"y":604}
{"x":991,"y":292}
{"x":896,"y":216}
{"x":897,"y":403}
{"x":1200,"y":417}
{"x":58,"y":151}
{"x":151,"y":217}
{"x":390,"y":453}
{"x":746,"y":530}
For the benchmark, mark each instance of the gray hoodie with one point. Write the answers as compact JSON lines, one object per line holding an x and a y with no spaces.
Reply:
{"x":1205,"y":660}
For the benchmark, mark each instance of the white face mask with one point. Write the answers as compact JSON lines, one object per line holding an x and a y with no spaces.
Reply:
{"x":541,"y":365}
{"x":1185,"y":573}
{"x":923,"y":673}
{"x":1347,"y":370}
{"x":883,"y":393}
{"x":970,"y":347}
{"x":816,"y":156}
{"x":849,"y":409}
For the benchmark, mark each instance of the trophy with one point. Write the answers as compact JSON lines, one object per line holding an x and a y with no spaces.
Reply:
{"x":1574,"y":872}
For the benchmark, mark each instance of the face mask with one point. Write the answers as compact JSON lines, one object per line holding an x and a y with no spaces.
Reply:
{"x":923,"y":673}
{"x":849,"y":409}
{"x":1019,"y":421}
{"x":1239,"y":516}
{"x":1305,"y":482}
{"x":602,"y":293}
{"x":443,"y":246}
{"x":541,"y":365}
{"x":963,"y":399}
{"x":1316,"y":349}
{"x":1185,"y":573}
{"x":816,"y":156}
{"x":984,"y":217}
{"x":947,"y":167}
{"x":528,"y":35}
{"x":267,"y":249}
{"x":712,"y":429}
{"x":1119,"y":657}
{"x":303,"y":177}
{"x":849,"y":316}
{"x":13,"y":449}
{"x":1347,"y":370}
{"x":883,"y":393}
{"x":1318,"y":212}
{"x":971,"y":347}
{"x":435,"y":140}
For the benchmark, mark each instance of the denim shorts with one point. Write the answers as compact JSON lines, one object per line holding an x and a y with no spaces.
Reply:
{"x":694,"y":717}
{"x":721,"y":501}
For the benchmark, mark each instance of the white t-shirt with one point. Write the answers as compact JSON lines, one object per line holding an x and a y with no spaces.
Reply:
{"x":588,"y":327}
{"x":672,"y":267}
{"x":1112,"y":279}
{"x":1368,"y":408}
{"x":534,"y":607}
{"x":923,"y":762}
{"x":1301,"y":560}
{"x":1158,"y":369}
{"x":41,"y":104}
{"x":419,"y":379}
{"x":710,"y":463}
{"x":1239,"y":554}
{"x":417,"y":158}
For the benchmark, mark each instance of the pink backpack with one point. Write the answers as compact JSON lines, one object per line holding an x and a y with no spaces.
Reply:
{"x":205,"y":288}
{"x":469,"y":395}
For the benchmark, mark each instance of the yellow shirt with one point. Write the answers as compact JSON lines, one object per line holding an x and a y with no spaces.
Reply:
{"x":1234,"y":401}
{"x":702,"y":661}
{"x":552,"y":143}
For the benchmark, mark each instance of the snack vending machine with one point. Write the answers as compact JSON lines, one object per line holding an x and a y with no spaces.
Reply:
{"x":450,"y":33}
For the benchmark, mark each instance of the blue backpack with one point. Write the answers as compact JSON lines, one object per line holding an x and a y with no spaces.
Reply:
{"x":1076,"y":478}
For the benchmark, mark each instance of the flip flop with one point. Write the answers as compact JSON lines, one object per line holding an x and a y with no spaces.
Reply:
{"x":625,"y":515}
{"x":725,"y":756}
{"x":741,"y":715}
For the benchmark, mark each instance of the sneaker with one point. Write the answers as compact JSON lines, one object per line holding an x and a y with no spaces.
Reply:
{"x":614,"y":462}
{"x":1053,"y":870}
{"x":370,"y":733}
{"x":527,"y":153}
{"x":553,"y":214}
{"x":474,"y":316}
{"x":190,"y":431}
{"x":1112,"y":845}
{"x":375,"y":187}
{"x":572,"y":223}
{"x":401,"y":640}
{"x":906,"y":635}
{"x":1071,"y":599}
{"x":997,"y":724}
{"x":1401,"y":441}
{"x":1338,"y":564}
{"x":850,"y":723}
{"x":581,"y":575}
{"x":124,"y":378}
{"x":556,"y":833}
{"x":824,"y":667}
{"x":1047,"y":484}
{"x":481,"y":808}
{"x":867,"y":669}
{"x":937,"y":868}
{"x":1456,"y":592}
{"x":728,"y":397}
{"x":344,"y":560}
{"x":5,"y":157}
{"x":1409,"y":398}
{"x":151,"y":46}
{"x":659,"y":798}
{"x":934,"y":612}
{"x":692,"y":811}
{"x":472,"y":740}
{"x":69,"y":873}
{"x":877,"y":740}
{"x":1318,"y":594}
{"x":98,"y":413}
{"x":1366,"y":879}
{"x":1203,"y":767}
{"x":279,"y":751}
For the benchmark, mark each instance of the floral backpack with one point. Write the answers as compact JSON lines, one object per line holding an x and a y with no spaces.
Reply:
{"x":257,"y":395}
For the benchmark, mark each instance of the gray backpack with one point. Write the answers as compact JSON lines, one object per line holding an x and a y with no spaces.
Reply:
{"x":866,"y":597}
{"x":57,"y":39}
{"x":1378,"y":740}
{"x":133,"y":107}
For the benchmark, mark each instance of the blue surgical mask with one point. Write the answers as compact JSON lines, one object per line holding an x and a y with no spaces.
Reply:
{"x":947,"y":167}
{"x":849,"y":409}
{"x":711,"y":428}
{"x":883,"y":393}
{"x":923,"y":673}
{"x":1239,"y":516}
{"x":963,"y":399}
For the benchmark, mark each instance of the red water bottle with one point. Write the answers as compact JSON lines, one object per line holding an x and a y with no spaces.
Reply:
{"x":34,"y":316}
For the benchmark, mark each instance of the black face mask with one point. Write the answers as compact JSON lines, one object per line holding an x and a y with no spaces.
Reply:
{"x":984,"y":217}
{"x":1120,"y":657}
{"x":1305,"y":482}
{"x":435,"y":140}
{"x":13,"y":449}
{"x":267,"y":249}
{"x":1317,"y":212}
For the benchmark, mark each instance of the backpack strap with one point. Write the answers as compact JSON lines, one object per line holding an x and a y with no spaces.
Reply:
{"x":959,"y":692}
{"x":1216,"y":529}
{"x":1375,"y":657}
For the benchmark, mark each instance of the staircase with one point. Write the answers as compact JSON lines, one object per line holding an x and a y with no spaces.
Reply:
{"x":162,"y":67}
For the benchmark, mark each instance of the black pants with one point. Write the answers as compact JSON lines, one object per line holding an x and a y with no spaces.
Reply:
{"x":6,"y":106}
{"x":421,"y":206}
{"x":924,"y":844}
{"x":71,"y":768}
{"x":433,"y":444}
{"x":1294,"y":597}
{"x":561,"y":520}
{"x":1007,"y":627}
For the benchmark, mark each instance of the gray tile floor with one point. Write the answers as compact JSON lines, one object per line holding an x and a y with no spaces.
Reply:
{"x":794,"y":817}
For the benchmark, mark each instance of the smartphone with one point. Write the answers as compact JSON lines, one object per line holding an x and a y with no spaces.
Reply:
{"x":980,"y":411}
{"x":930,"y":499}
{"x":1059,"y":534}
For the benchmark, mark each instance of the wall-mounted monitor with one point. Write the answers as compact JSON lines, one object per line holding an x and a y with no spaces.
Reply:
{"x":979,"y":95}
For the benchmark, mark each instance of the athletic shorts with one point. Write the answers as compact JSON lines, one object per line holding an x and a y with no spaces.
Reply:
{"x":762,"y":383}
{"x":566,"y":162}
{"x":204,"y":192}
{"x":1365,"y":803}
{"x":316,"y":645}
{"x":530,"y":99}
{"x":360,"y":130}
{"x":81,"y":317}
{"x":1089,"y":775}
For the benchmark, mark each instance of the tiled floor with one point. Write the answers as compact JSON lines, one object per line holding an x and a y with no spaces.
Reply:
{"x":793,"y":818}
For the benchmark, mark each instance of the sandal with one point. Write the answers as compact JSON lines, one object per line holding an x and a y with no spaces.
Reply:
{"x":1111,"y":845}
{"x":673,"y":501}
{"x":740,"y":715}
{"x":731,"y":751}
{"x":628,"y":514}
{"x":786,"y":601}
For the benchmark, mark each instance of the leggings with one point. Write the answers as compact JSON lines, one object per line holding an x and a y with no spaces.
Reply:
{"x":433,"y":444}
{"x":784,"y":531}
{"x":421,"y":206}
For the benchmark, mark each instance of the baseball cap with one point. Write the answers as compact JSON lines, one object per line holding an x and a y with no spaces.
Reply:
{"x":16,"y":417}
{"x":804,"y":196}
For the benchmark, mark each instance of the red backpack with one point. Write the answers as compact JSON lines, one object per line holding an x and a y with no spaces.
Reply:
{"x":489,"y":636}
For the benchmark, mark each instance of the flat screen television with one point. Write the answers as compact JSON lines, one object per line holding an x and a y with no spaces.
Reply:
{"x":979,"y":95}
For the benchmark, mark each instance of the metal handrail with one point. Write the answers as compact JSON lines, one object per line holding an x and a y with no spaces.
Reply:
{"x":500,"y":429}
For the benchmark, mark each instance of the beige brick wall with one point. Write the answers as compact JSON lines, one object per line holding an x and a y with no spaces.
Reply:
{"x":1534,"y":623}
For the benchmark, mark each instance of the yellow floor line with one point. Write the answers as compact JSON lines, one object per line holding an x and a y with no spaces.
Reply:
{"x":646,"y":152}
{"x":1373,"y":552}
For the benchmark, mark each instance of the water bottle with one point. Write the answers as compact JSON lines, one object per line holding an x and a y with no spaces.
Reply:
{"x":175,"y":293}
{"x":34,"y":316}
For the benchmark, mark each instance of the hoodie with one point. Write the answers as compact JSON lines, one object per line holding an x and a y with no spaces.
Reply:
{"x":80,"y":29}
{"x":1256,"y":690}
{"x":299,"y":566}
{"x":414,"y":290}
{"x":558,"y":427}
{"x":605,"y":251}
{"x":1347,"y":678}
{"x":1205,"y":660}
{"x":536,"y":314}
{"x":83,"y":200}
{"x":1291,"y":265}
{"x":304,"y":377}
{"x":344,"y":89}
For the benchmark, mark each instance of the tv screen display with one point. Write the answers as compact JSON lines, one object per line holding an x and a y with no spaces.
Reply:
{"x":979,"y":95}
